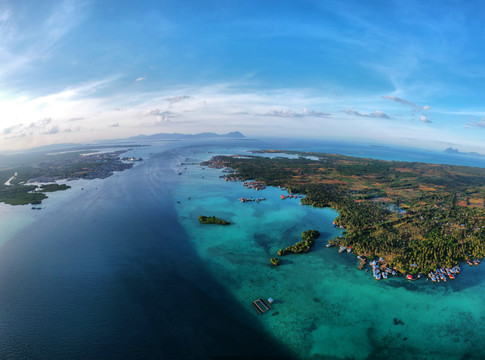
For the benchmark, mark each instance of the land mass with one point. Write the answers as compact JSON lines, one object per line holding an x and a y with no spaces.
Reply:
{"x":212,"y":220}
{"x":450,"y":150}
{"x":16,"y":181}
{"x":303,"y":246}
{"x":177,"y":136}
{"x":417,"y":217}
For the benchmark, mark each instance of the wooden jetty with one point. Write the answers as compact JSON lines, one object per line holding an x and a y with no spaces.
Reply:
{"x":260,"y":306}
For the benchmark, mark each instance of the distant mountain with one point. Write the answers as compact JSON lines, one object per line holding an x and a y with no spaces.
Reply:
{"x":177,"y":136}
{"x":450,"y":150}
{"x":124,"y":142}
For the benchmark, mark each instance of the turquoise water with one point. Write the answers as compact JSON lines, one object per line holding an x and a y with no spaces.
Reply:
{"x":117,"y":268}
{"x":324,"y":305}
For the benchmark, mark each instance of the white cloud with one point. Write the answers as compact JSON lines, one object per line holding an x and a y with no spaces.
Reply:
{"x":51,"y":130}
{"x":71,"y":129}
{"x":283,"y":113}
{"x":405,"y":102}
{"x":313,"y":113}
{"x":41,"y":127}
{"x":476,"y":124}
{"x":217,"y":108}
{"x":177,"y":99}
{"x":424,"y":119}
{"x":375,"y":114}
{"x":292,"y":114}
{"x":40,"y":124}
{"x":11,"y":129}
{"x":140,"y":79}
{"x":161,"y":117}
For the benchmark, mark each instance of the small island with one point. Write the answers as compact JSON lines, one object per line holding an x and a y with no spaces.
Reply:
{"x":303,"y":246}
{"x":212,"y":220}
{"x":275,"y":261}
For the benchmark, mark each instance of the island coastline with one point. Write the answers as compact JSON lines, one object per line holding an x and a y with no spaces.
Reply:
{"x":416,"y":228}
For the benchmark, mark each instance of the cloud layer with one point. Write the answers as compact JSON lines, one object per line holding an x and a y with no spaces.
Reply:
{"x":375,"y":114}
{"x":405,"y":102}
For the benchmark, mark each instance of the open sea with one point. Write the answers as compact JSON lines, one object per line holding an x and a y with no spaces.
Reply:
{"x":121,"y":268}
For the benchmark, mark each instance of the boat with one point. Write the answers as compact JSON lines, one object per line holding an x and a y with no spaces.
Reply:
{"x":329,"y":245}
{"x":342,"y":249}
{"x":384,"y":275}
{"x":409,"y":277}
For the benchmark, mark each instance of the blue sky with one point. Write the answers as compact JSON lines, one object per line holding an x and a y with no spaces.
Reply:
{"x":395,"y":72}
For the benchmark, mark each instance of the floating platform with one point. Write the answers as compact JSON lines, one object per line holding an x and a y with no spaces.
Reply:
{"x":260,"y":306}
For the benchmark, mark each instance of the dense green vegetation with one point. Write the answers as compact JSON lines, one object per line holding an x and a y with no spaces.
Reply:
{"x":416,"y":216}
{"x":27,"y":194}
{"x":21,"y":195}
{"x":41,"y":167}
{"x":303,"y":246}
{"x":275,"y":261}
{"x":53,"y":187}
{"x":212,"y":220}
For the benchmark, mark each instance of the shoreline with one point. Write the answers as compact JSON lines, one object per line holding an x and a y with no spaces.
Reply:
{"x":324,"y":305}
{"x":231,"y":166}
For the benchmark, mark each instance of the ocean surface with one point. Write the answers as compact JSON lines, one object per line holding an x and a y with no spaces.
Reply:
{"x":121,"y":268}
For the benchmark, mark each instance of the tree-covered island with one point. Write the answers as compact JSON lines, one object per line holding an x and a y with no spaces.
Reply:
{"x":303,"y":246}
{"x":416,"y":216}
{"x":275,"y":261}
{"x":212,"y":220}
